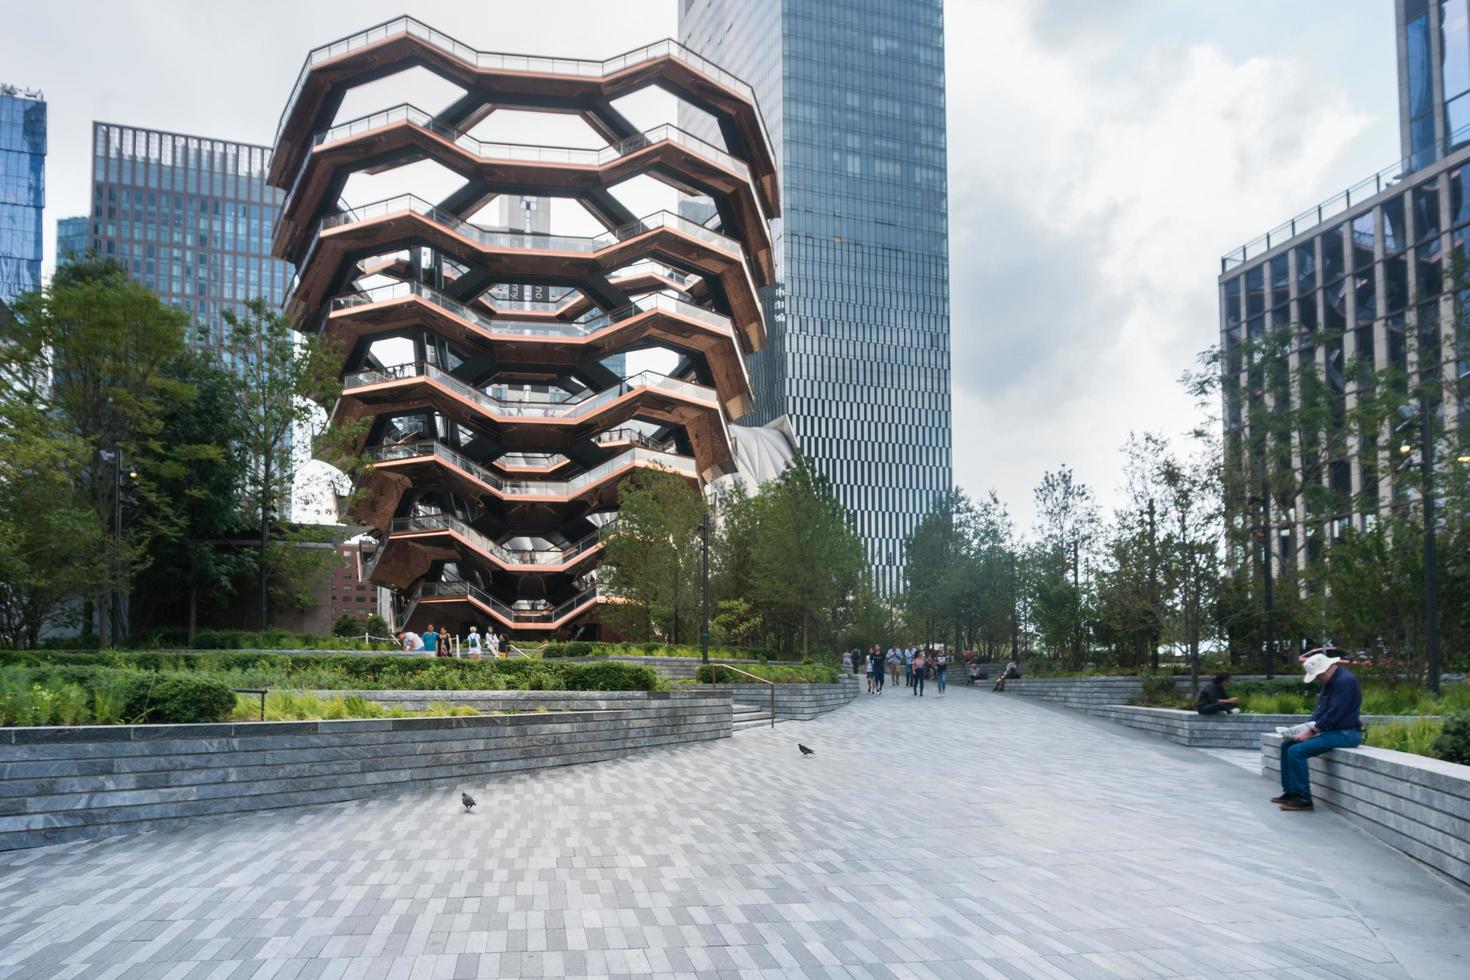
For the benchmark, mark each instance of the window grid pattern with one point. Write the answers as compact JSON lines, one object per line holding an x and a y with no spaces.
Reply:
{"x":22,"y":192}
{"x":189,"y":218}
{"x":853,"y":96}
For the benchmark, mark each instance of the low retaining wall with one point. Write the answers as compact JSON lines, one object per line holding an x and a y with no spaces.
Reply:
{"x":1417,"y":805}
{"x":1081,"y":692}
{"x":65,"y":784}
{"x":794,"y":702}
{"x":1211,"y":731}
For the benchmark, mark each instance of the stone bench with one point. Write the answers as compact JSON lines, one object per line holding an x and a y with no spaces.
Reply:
{"x":1191,"y":728}
{"x":1418,"y":805}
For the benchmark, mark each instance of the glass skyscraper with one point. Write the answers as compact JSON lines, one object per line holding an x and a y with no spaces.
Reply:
{"x":189,"y":217}
{"x":22,"y":189}
{"x":73,"y":237}
{"x":852,"y":92}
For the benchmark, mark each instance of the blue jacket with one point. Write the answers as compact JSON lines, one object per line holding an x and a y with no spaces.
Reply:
{"x":1338,"y":704}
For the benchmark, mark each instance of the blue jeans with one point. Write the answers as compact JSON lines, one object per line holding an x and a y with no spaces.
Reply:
{"x":919,"y":682}
{"x":1295,"y":777}
{"x":939,"y":673}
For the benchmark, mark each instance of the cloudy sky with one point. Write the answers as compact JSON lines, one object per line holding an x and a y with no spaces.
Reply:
{"x":1102,"y":157}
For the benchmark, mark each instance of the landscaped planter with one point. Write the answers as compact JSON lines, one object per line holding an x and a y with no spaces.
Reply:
{"x":64,"y":784}
{"x":673,"y":668}
{"x":1418,"y":805}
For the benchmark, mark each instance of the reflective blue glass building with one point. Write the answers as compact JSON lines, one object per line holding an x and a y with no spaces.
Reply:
{"x":853,"y":97}
{"x":1434,"y":78}
{"x":73,"y":237}
{"x":189,"y":217}
{"x":22,"y":189}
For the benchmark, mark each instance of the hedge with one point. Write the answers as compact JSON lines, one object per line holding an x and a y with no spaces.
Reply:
{"x":84,"y":694}
{"x":782,"y":674}
{"x":348,"y":671}
{"x":587,"y":648}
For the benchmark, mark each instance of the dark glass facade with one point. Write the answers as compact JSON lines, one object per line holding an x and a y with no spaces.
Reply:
{"x":73,"y":237}
{"x":189,"y":217}
{"x":22,"y":190}
{"x":852,"y":92}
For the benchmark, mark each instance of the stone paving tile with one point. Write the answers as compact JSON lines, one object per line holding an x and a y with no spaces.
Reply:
{"x":971,"y":836}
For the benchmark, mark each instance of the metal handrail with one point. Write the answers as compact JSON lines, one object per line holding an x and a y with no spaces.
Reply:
{"x":714,"y":685}
{"x":253,"y":690}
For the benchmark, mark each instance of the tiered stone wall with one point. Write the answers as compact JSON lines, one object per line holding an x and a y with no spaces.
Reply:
{"x":794,"y":702}
{"x":1211,"y":731}
{"x":1418,"y":805}
{"x":66,"y":784}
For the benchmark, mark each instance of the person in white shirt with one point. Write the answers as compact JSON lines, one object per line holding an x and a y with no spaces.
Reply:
{"x":473,"y":642}
{"x":411,"y":641}
{"x":494,"y":644}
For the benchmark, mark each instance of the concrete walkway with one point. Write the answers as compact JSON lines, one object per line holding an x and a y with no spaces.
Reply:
{"x":978,"y":835}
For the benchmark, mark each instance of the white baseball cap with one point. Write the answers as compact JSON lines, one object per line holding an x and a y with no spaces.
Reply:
{"x":1316,"y":665}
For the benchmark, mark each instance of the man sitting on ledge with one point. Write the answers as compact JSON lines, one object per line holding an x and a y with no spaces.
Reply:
{"x":1334,"y":725}
{"x":1214,"y":699}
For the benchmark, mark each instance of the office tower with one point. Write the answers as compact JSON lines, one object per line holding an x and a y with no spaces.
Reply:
{"x":22,"y":189}
{"x":190,"y":218}
{"x":73,"y":237}
{"x":1434,"y":78}
{"x":498,"y":435}
{"x":1364,"y":281}
{"x":852,"y":92}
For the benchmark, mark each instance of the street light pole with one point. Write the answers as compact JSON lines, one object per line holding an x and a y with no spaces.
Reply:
{"x":1268,"y":545}
{"x":704,"y":575}
{"x":116,"y":604}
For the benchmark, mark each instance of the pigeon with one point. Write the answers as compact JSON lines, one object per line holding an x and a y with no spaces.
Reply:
{"x":804,"y":749}
{"x":468,"y":801}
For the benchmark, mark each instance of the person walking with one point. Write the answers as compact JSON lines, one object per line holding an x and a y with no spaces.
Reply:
{"x":893,"y":662}
{"x":908,"y":664}
{"x":878,"y":668}
{"x":473,"y":642}
{"x":494,"y":639}
{"x":941,"y":669}
{"x":919,"y":665}
{"x":875,"y":663}
{"x":431,"y":641}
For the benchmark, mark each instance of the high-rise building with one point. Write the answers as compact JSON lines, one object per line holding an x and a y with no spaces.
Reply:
{"x":22,"y":189}
{"x":190,"y":218}
{"x":1434,"y":78}
{"x":498,"y":435}
{"x":852,"y":92}
{"x":73,"y":237}
{"x":1363,"y":281}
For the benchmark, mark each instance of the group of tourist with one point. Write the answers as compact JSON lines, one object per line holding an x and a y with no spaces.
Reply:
{"x":433,"y":643}
{"x":917,"y":665}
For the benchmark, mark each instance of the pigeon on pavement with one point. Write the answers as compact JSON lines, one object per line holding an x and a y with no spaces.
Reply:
{"x":804,"y":749}
{"x":468,"y":801}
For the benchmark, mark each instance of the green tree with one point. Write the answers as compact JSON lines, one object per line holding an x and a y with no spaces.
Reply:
{"x":808,"y":561}
{"x":652,"y":560}
{"x":287,"y":380}
{"x":198,"y":477}
{"x":89,"y":352}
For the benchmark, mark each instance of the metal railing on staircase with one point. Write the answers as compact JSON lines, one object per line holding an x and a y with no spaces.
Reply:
{"x":714,"y":683}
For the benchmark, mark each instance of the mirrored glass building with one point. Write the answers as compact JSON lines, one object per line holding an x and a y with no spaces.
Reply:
{"x":22,"y":189}
{"x":73,"y":237}
{"x":189,"y":217}
{"x":852,"y":92}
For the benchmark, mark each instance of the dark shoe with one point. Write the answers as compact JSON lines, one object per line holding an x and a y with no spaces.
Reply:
{"x":1284,"y":797}
{"x":1297,"y":803}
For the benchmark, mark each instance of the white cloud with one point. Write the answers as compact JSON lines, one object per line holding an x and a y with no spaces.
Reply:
{"x":1094,"y":185}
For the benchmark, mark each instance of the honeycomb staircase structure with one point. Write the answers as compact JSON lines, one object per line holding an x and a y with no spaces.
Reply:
{"x":498,"y":429}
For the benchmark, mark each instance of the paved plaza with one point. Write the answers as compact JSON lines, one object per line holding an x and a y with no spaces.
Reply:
{"x":978,"y":835}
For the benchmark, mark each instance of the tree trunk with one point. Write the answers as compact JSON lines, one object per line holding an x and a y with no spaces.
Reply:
{"x":264,"y":542}
{"x":104,"y":621}
{"x":804,"y":617}
{"x":193,"y":612}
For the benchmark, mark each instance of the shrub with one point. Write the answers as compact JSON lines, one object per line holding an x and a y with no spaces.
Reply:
{"x":1417,"y":737}
{"x":346,"y":625}
{"x":1158,"y":689}
{"x":785,"y":674}
{"x":1453,"y":743}
{"x":178,"y":698}
{"x":609,"y":677}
